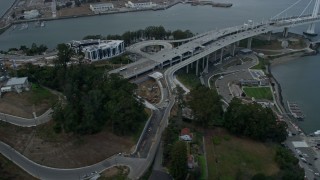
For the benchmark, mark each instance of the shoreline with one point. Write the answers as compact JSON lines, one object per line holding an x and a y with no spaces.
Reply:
{"x":278,"y":90}
{"x":6,"y":27}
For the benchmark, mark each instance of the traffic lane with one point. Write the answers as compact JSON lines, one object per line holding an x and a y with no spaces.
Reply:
{"x":222,"y":85}
{"x":149,"y":134}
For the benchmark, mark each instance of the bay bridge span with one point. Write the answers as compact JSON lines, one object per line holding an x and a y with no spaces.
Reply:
{"x":210,"y":44}
{"x":190,"y":51}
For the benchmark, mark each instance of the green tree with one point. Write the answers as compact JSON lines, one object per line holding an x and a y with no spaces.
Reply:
{"x":64,"y":55}
{"x":178,"y":166}
{"x":206,"y":106}
{"x":254,"y":121}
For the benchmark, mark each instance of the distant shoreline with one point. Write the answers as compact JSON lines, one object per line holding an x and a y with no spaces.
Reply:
{"x":3,"y":29}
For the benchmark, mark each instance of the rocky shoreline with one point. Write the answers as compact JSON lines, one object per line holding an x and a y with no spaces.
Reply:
{"x":277,"y":86}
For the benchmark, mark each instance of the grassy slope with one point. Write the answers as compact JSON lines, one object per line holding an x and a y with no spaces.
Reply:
{"x":258,"y":92}
{"x":190,"y":80}
{"x":239,"y":157}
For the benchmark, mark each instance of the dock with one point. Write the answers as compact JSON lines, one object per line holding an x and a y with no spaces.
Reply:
{"x":295,"y":110}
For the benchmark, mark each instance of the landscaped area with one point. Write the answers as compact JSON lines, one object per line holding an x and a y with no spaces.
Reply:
{"x":190,"y":80}
{"x":230,"y":157}
{"x":258,"y":92}
{"x":261,"y":65}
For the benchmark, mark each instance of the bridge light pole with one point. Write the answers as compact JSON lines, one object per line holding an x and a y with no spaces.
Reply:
{"x":310,"y":31}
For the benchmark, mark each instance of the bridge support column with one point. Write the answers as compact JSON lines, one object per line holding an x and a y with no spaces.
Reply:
{"x":192,"y":65}
{"x":203,"y":62}
{"x":233,"y":49}
{"x":269,"y":35}
{"x":207,"y":65}
{"x":221,"y":55}
{"x":215,"y":55}
{"x":187,"y":68}
{"x":285,"y":32}
{"x":197,"y":67}
{"x":180,"y":59}
{"x":249,"y":43}
{"x":311,"y":30}
{"x":238,"y":43}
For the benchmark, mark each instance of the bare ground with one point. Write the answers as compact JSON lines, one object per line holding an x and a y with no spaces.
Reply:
{"x":20,"y":105}
{"x":150,"y":91}
{"x":43,"y":146}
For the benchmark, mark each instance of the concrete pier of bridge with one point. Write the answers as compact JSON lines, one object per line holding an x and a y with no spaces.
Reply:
{"x":285,"y":32}
{"x":249,"y":43}
{"x":311,"y":29}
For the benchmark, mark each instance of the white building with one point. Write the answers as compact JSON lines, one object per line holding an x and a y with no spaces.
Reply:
{"x":96,"y":49}
{"x":17,"y":84}
{"x":101,"y":7}
{"x":31,"y":14}
{"x":141,"y":5}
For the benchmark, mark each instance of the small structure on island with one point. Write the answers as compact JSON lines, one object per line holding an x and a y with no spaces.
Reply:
{"x":245,"y":51}
{"x":249,"y":82}
{"x":101,"y":7}
{"x":156,"y":75}
{"x":16,"y":84}
{"x":31,"y":14}
{"x":140,"y":4}
{"x":185,"y":134}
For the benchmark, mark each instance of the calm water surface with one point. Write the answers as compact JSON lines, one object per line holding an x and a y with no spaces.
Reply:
{"x":300,"y":83}
{"x":182,"y":16}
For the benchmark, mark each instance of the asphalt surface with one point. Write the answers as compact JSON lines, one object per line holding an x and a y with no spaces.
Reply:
{"x":24,"y":122}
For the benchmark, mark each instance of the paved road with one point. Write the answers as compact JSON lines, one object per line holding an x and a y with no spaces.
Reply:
{"x":24,"y":122}
{"x":138,"y":166}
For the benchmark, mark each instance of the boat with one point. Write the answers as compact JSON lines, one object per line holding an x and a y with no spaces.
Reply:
{"x":24,"y":26}
{"x":42,"y":24}
{"x":295,"y":110}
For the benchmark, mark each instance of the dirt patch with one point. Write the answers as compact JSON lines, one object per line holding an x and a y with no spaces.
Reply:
{"x":42,"y":145}
{"x":21,"y":104}
{"x":82,"y":10}
{"x":115,"y":172}
{"x":150,"y":91}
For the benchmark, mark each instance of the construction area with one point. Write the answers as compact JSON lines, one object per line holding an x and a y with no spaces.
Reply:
{"x":150,"y":91}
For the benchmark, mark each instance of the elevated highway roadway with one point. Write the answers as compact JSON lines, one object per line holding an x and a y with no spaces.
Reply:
{"x":204,"y":45}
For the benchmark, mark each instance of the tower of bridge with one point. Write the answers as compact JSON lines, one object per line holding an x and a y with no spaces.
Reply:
{"x":310,"y":31}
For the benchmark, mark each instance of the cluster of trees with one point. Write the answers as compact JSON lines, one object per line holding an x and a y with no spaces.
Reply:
{"x":206,"y":106}
{"x":151,"y":32}
{"x":254,"y":121}
{"x":94,"y":99}
{"x":174,"y":152}
{"x":33,"y":50}
{"x":251,"y":120}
